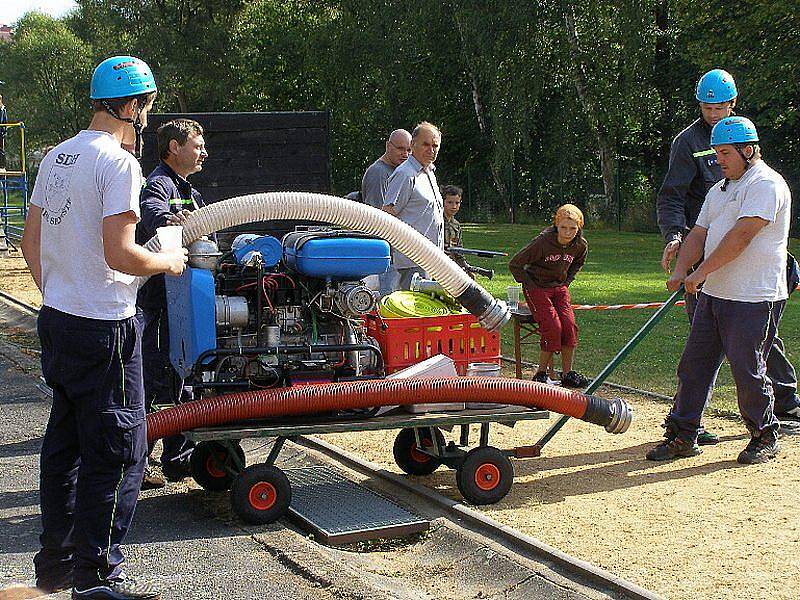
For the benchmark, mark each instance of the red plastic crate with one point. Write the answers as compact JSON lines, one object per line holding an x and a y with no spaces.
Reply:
{"x":405,"y":342}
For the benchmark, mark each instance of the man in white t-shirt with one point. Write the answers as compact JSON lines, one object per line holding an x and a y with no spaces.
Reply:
{"x":80,"y":247}
{"x":741,"y":235}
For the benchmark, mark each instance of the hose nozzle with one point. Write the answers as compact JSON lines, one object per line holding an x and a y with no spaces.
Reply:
{"x":492,"y":312}
{"x":615,"y":415}
{"x":420,"y":284}
{"x":495,"y":316}
{"x":621,"y":416}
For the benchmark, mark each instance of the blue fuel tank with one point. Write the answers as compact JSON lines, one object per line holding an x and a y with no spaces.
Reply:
{"x":192,"y":317}
{"x":342,"y":255}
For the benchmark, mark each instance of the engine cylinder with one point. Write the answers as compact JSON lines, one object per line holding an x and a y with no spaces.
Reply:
{"x":231,"y":311}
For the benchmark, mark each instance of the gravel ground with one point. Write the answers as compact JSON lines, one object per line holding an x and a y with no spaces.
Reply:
{"x":692,"y":528}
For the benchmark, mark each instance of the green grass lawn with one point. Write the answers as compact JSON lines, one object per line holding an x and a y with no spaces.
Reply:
{"x":621,"y":268}
{"x":11,"y":206}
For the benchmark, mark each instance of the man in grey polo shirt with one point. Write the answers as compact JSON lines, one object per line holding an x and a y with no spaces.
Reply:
{"x":373,"y":184}
{"x":373,"y":188}
{"x":413,"y":196}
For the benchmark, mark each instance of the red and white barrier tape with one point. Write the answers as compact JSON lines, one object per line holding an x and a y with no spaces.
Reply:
{"x":622,"y":306}
{"x":626,"y":306}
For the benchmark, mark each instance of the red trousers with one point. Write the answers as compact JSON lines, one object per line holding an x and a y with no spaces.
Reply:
{"x":552,"y":311}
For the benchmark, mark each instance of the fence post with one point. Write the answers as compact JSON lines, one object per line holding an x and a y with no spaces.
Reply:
{"x":618,"y":194}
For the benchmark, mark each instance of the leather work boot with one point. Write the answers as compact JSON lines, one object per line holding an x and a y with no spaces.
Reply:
{"x":675,"y":448}
{"x":674,"y":445}
{"x":760,"y":449}
{"x":152,"y":480}
{"x":790,"y":421}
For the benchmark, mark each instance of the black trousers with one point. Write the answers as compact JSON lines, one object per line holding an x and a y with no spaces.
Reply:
{"x":741,"y":332}
{"x":94,"y":448}
{"x":162,"y":386}
{"x":779,"y":370}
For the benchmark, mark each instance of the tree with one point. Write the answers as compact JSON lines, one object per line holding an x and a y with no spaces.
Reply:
{"x":188,"y":43}
{"x":47,"y":69}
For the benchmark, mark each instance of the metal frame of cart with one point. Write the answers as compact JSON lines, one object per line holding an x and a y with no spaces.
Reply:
{"x":261,"y":493}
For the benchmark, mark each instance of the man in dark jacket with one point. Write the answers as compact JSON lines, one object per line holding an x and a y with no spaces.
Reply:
{"x":692,"y":171}
{"x":166,"y":199}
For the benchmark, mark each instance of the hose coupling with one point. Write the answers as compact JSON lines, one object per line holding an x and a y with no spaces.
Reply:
{"x":495,"y":316}
{"x":621,"y":416}
{"x":420,"y":284}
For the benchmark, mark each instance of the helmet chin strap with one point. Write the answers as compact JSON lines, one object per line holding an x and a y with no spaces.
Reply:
{"x":747,"y":164}
{"x":744,"y":158}
{"x":137,"y":126}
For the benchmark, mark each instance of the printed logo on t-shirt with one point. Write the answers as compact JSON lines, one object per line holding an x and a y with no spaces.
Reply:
{"x":57,"y":201}
{"x":556,"y":257}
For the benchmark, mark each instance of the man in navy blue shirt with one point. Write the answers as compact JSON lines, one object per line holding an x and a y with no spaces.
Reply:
{"x":166,"y":199}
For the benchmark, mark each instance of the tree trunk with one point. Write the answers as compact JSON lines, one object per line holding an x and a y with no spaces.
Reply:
{"x":480,"y":115}
{"x":182,"y":104}
{"x":663,"y":84}
{"x":605,"y":145}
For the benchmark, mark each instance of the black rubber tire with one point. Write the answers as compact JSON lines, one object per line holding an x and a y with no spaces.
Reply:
{"x":261,"y":494}
{"x":409,"y":459}
{"x":210,"y":463}
{"x":485,"y":476}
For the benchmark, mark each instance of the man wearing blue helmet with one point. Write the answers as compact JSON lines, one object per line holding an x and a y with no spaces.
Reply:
{"x":79,"y":243}
{"x":740,"y":242}
{"x":692,"y":163}
{"x":693,"y":170}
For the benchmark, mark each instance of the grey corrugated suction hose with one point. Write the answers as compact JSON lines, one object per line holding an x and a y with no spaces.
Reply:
{"x":491,"y":312}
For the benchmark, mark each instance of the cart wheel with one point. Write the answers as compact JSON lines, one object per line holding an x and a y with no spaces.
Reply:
{"x":485,"y":476}
{"x":409,"y":458}
{"x":261,"y":494}
{"x":211,"y":463}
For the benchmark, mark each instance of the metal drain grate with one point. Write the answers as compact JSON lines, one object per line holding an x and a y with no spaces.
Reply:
{"x":339,"y":511}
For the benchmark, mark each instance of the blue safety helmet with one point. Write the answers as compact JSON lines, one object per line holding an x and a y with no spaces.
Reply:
{"x":734,"y":130}
{"x":715,"y":87}
{"x":121,"y":77}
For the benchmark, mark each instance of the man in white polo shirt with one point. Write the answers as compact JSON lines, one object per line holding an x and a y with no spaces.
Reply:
{"x":741,"y":235}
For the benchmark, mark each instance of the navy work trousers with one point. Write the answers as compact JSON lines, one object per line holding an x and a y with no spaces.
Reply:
{"x":741,"y":331}
{"x":95,"y":446}
{"x":779,"y":370}
{"x":162,"y":386}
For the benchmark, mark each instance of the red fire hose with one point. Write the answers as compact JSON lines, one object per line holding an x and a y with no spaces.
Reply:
{"x":614,"y":415}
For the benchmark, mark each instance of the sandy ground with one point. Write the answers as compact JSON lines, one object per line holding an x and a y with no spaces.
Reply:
{"x":703,"y":527}
{"x":16,"y":280}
